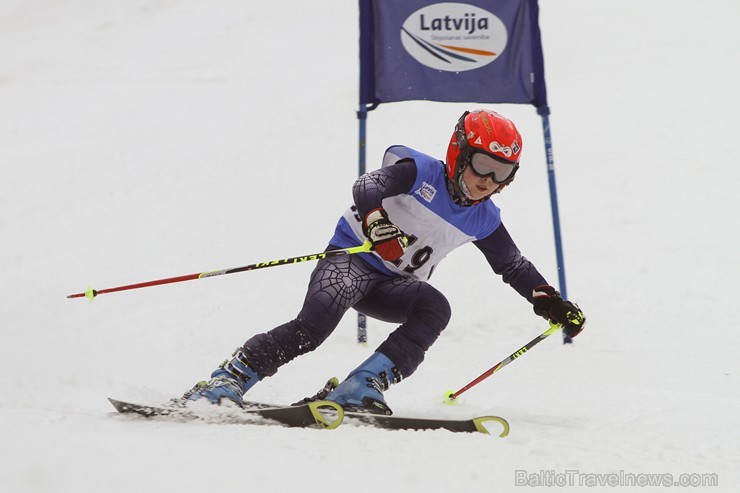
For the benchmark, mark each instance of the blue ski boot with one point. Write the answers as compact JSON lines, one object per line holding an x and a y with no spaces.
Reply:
{"x":362,"y":390}
{"x":229,"y":381}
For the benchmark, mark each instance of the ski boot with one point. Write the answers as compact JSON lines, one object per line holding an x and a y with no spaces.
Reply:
{"x":362,"y":390}
{"x":229,"y":381}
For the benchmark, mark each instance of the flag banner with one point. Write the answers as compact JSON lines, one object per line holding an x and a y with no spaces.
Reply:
{"x":476,"y":51}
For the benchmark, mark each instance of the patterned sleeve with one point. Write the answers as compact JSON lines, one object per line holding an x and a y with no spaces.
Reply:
{"x":371,"y":188}
{"x":507,"y":261}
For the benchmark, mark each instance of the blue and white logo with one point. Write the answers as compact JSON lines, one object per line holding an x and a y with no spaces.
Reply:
{"x":454,"y":37}
{"x":426,"y":191}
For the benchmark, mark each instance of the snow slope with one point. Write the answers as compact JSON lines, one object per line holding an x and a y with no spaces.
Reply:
{"x":144,"y":139}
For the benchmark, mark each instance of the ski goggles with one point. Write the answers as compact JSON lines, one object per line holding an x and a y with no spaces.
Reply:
{"x":487,"y":166}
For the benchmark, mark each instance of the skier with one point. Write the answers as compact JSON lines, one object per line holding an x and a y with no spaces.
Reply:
{"x":414,"y":210}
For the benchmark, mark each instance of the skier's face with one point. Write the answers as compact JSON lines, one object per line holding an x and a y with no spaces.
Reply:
{"x":477,"y":187}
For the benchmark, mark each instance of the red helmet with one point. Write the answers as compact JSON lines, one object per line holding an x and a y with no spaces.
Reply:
{"x":484,"y":132}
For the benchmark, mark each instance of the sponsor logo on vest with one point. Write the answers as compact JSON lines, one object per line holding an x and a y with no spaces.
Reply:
{"x":426,"y":191}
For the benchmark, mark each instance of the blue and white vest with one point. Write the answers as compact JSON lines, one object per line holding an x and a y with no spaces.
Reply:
{"x":427,"y":214}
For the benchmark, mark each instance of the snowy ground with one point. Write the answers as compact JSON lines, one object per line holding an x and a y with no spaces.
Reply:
{"x":146,"y":139}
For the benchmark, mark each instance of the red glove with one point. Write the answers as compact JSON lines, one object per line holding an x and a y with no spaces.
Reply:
{"x":548,"y":303}
{"x":387,"y":239}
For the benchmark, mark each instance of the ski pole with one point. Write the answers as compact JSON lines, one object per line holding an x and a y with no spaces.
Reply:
{"x":365,"y":247}
{"x":451,"y":396}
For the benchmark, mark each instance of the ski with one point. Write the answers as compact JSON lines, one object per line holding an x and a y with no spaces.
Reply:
{"x":318,"y":414}
{"x":472,"y":425}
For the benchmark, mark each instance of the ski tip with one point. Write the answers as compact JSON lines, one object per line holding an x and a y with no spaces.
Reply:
{"x":481,"y":427}
{"x":117,"y":404}
{"x":327,"y":414}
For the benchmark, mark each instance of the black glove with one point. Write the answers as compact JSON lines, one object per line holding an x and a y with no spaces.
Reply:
{"x":548,"y":303}
{"x":387,"y":238}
